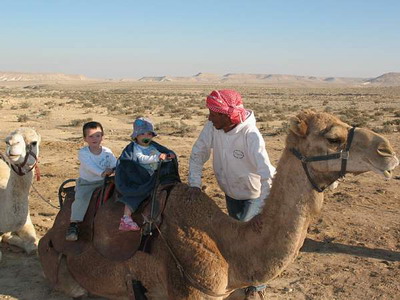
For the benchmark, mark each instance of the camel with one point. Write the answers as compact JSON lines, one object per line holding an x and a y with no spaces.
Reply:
{"x":202,"y":253}
{"x":17,"y":168}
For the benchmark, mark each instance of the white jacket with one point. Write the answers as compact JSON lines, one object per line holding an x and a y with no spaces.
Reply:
{"x":241,"y":163}
{"x":92,"y":166}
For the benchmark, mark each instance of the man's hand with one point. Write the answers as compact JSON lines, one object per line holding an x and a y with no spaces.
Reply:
{"x":194,"y":193}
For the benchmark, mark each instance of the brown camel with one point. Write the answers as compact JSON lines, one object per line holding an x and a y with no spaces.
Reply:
{"x":217,"y":253}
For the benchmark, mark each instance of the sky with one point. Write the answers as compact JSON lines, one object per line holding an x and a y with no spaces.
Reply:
{"x":131,"y":39}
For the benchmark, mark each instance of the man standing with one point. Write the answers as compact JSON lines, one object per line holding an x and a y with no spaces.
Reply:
{"x":240,"y":161}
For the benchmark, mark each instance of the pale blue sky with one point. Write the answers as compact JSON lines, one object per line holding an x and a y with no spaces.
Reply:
{"x":131,"y":39}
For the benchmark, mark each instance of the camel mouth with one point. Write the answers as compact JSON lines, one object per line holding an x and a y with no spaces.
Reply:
{"x":14,"y":156}
{"x":387,"y":174}
{"x":387,"y":170}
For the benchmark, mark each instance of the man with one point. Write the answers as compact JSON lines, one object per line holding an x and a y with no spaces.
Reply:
{"x":240,"y":161}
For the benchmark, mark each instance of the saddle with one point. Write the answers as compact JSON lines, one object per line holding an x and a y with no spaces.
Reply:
{"x":101,"y":222}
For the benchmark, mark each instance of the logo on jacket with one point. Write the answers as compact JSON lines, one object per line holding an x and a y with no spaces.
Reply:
{"x":238,"y":154}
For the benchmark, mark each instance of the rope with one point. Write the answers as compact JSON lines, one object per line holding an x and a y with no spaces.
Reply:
{"x":41,"y":197}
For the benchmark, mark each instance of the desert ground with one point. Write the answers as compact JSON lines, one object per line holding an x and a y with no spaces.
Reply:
{"x":352,"y":250}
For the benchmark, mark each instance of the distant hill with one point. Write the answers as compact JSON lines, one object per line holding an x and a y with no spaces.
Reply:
{"x":155,"y":79}
{"x":22,"y":76}
{"x":269,"y":79}
{"x":388,"y":79}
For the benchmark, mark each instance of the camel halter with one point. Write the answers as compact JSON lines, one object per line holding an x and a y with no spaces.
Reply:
{"x":343,"y":154}
{"x":19,"y":168}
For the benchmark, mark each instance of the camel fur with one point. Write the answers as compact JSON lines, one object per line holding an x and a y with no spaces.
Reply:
{"x":219,"y":253}
{"x":16,"y":227}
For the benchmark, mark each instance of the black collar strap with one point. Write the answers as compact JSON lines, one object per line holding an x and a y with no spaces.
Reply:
{"x":343,"y":154}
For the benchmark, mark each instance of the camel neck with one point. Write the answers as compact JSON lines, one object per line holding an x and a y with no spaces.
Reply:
{"x":263,"y":246}
{"x":15,"y":200}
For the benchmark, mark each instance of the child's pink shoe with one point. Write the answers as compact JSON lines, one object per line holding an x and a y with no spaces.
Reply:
{"x":127,"y":224}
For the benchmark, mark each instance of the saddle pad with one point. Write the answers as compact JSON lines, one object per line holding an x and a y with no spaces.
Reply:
{"x":108,"y":240}
{"x":58,"y":231}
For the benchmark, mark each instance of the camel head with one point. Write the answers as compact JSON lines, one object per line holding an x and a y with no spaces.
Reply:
{"x":23,"y":147}
{"x":317,"y":136}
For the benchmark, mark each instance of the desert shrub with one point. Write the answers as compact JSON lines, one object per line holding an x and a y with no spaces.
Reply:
{"x":388,"y":109}
{"x":44,"y":113}
{"x":359,"y":121}
{"x":79,"y":122}
{"x":24,"y":105}
{"x":87,"y":104}
{"x":283,"y":129}
{"x":392,"y":122}
{"x":187,"y":115}
{"x":174,"y":128}
{"x":273,"y":131}
{"x":263,"y":118}
{"x":22,"y":118}
{"x":139,"y":111}
{"x":280,"y":117}
{"x":384,"y":129}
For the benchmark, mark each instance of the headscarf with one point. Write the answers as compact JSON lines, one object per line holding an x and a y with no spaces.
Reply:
{"x":228,"y":102}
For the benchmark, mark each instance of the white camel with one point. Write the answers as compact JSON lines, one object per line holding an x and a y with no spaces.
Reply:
{"x":17,"y":167}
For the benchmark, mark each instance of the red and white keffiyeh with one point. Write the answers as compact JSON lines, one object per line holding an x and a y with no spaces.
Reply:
{"x":227,"y":102}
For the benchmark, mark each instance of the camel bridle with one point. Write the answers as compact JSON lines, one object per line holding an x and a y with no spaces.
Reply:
{"x":20,"y":169}
{"x":342,"y":154}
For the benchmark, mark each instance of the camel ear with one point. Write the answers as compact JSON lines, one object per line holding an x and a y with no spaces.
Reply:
{"x":298,"y":126}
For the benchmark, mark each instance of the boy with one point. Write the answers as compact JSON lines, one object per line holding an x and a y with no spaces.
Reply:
{"x":96,"y":162}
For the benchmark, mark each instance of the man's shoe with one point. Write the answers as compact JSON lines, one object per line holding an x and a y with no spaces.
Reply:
{"x":72,"y":232}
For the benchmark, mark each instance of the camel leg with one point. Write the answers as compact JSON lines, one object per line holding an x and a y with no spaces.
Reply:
{"x":24,"y":238}
{"x":67,"y":284}
{"x":152,"y":275}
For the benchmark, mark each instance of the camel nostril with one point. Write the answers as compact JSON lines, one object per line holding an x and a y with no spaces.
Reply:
{"x":385,"y":152}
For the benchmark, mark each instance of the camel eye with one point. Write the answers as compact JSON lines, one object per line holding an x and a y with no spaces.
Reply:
{"x":34,"y":144}
{"x":334,"y":141}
